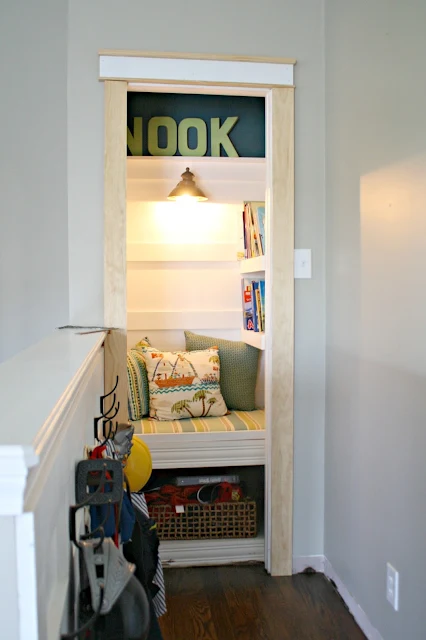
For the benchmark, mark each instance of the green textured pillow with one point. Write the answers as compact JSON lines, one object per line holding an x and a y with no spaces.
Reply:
{"x":138,"y":388}
{"x":238,"y":369}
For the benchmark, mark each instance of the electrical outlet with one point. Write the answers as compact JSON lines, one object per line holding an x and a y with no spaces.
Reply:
{"x":392,"y":586}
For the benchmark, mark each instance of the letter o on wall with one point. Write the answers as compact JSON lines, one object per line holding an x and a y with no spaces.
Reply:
{"x":153,"y":125}
{"x":201,"y":127}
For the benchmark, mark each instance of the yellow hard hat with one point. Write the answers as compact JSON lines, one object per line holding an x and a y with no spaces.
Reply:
{"x":138,"y":466}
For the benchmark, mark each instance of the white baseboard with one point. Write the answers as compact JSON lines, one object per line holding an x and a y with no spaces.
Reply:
{"x":358,"y":613}
{"x":300,"y":563}
{"x":322,"y":565}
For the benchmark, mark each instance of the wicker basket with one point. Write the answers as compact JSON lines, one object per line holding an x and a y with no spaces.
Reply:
{"x":220,"y":520}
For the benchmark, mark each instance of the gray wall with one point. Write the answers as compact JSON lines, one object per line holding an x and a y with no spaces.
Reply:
{"x":33,"y":172}
{"x":376,"y":309}
{"x":271,"y":28}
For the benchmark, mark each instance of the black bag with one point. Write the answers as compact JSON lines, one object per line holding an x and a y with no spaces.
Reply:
{"x":142,"y":551}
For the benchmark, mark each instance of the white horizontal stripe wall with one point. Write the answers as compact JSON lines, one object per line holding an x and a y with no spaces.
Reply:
{"x":223,"y":180}
{"x":183,"y":273}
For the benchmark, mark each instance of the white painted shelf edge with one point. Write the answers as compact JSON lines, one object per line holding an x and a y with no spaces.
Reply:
{"x":218,"y":449}
{"x":254,"y":338}
{"x":253,"y":265}
{"x":192,"y":553}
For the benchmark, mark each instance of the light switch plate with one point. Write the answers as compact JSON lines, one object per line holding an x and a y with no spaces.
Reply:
{"x":392,"y":586}
{"x":302,"y":263}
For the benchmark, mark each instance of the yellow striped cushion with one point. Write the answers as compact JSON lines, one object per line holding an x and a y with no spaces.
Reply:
{"x":235,"y":421}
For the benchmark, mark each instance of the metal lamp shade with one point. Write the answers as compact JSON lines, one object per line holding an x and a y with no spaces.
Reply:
{"x":187,"y":188}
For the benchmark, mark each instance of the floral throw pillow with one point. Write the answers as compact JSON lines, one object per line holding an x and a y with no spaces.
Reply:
{"x":184,"y":384}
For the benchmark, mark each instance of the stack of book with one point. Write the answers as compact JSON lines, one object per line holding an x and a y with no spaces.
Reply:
{"x":254,"y":304}
{"x":254,"y":229}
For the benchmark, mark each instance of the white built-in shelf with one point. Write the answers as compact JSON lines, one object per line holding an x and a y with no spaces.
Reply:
{"x":254,"y":338}
{"x":253,"y":265}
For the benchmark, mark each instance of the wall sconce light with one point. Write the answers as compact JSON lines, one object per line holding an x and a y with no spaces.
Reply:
{"x":186,"y":189}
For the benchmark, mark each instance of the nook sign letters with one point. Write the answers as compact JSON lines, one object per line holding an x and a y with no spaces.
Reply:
{"x":166,"y":124}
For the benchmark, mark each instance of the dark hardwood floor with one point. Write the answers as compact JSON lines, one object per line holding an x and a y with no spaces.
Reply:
{"x":244,"y":603}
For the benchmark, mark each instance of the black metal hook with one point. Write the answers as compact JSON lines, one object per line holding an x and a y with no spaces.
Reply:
{"x":102,"y":398}
{"x":117,"y":408}
{"x":109,"y":419}
{"x":111,"y":407}
{"x":111,"y":432}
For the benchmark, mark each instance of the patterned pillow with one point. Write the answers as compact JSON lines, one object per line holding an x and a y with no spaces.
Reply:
{"x":142,"y":343}
{"x":183,"y":384}
{"x":238,"y":369}
{"x":138,"y":389}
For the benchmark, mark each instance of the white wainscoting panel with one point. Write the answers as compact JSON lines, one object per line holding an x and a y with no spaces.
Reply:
{"x":59,"y":380}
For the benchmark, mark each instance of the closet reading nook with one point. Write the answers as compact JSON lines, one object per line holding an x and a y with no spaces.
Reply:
{"x":196,"y":331}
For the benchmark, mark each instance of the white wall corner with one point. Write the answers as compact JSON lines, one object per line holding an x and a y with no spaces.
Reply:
{"x":358,"y":613}
{"x":15,"y":462}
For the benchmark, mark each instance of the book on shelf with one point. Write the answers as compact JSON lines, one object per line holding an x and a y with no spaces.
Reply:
{"x":254,"y":229}
{"x":261,"y":224}
{"x":258,"y":306}
{"x":262,"y":302}
{"x":256,"y":316}
{"x":248,"y":305}
{"x":187,"y":481}
{"x":254,"y":305}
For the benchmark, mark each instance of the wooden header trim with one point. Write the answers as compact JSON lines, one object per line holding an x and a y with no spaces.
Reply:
{"x":195,"y":56}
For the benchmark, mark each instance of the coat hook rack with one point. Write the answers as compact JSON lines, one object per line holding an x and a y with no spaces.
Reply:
{"x":105,"y":477}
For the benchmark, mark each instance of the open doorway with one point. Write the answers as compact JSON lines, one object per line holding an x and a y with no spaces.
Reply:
{"x":279,"y":334}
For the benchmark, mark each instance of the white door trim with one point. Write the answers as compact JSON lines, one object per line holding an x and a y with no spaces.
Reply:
{"x":151,"y":67}
{"x":279,"y":116}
